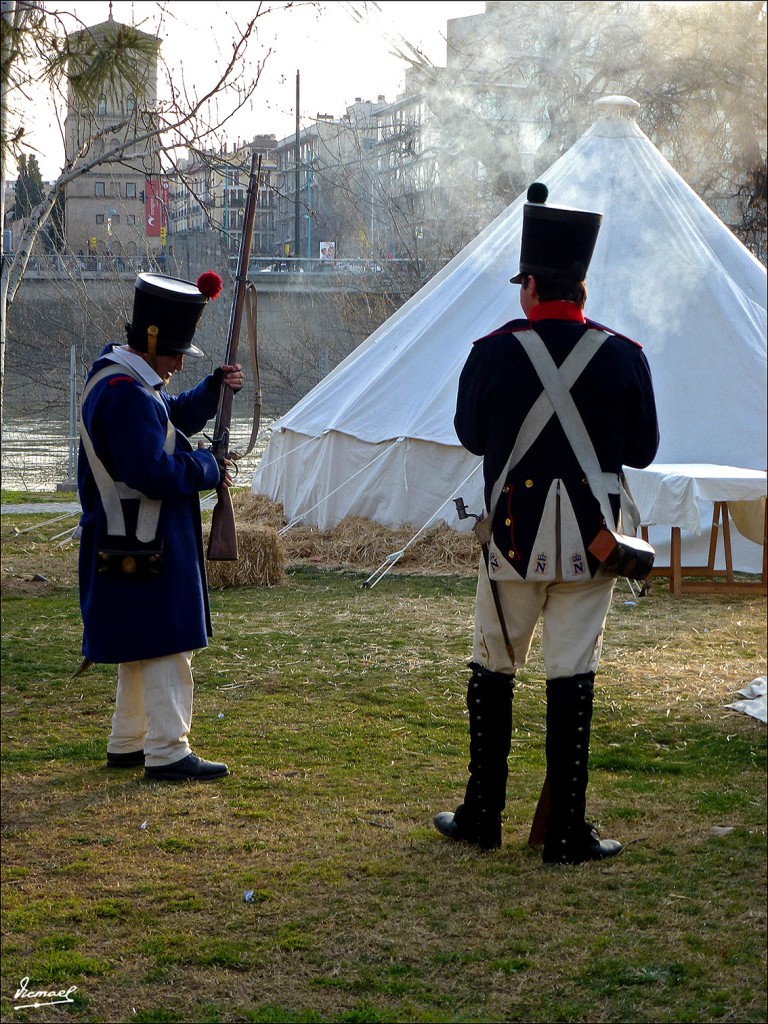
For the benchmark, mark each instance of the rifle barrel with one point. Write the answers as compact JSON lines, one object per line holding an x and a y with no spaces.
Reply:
{"x":224,"y":411}
{"x":222,"y":542}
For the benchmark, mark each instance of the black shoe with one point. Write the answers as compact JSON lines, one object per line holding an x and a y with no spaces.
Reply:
{"x":189,"y":769}
{"x":130,"y":760}
{"x":452,"y":825}
{"x":445,"y":823}
{"x":591,"y":847}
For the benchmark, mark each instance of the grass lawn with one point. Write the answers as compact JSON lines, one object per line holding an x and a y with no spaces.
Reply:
{"x":309,"y":886}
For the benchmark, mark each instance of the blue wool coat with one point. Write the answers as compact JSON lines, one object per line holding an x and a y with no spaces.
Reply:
{"x":497,"y":388}
{"x":131,"y":618}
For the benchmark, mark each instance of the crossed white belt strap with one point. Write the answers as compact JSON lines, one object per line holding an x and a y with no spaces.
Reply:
{"x":540,"y":412}
{"x":113,"y":492}
{"x":559,"y":399}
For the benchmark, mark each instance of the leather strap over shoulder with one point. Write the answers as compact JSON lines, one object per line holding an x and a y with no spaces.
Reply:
{"x":251,"y":315}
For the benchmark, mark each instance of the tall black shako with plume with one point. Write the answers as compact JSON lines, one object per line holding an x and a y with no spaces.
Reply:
{"x":558,"y":241}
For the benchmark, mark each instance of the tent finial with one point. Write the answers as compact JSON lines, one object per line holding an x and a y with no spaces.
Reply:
{"x":617,"y":106}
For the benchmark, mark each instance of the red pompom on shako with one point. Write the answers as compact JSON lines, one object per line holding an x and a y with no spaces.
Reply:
{"x":210,"y":284}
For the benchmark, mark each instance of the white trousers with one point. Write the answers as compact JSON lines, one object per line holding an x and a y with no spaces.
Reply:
{"x":153,"y":709}
{"x":573,"y":618}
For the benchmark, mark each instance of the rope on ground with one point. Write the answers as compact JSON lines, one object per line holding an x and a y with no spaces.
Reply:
{"x":391,"y":559}
{"x":300,"y":518}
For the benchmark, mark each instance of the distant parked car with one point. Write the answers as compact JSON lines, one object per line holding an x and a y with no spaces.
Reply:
{"x":282,"y":267}
{"x":359,"y":267}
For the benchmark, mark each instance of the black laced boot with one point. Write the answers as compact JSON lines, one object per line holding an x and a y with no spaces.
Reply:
{"x":478,"y":819}
{"x":570,"y":838}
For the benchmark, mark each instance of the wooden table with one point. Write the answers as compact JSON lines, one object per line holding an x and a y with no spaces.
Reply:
{"x":673,"y":494}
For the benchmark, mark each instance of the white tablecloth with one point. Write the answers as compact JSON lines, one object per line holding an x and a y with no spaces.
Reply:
{"x":678,"y":495}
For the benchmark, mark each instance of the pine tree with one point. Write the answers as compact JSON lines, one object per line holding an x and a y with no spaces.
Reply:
{"x":29,"y":187}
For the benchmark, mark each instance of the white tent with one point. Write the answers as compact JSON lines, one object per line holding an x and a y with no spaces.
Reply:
{"x":375,"y":438}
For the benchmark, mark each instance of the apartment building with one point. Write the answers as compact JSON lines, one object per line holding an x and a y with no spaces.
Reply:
{"x":326,"y":185}
{"x":208,"y":193}
{"x":119,"y":207}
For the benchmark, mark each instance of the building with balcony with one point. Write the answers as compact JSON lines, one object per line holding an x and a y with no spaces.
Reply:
{"x":208,"y":194}
{"x":118,"y":207}
{"x":327,"y":185}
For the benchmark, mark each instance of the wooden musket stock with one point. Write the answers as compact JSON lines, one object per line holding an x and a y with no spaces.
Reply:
{"x":222,"y":542}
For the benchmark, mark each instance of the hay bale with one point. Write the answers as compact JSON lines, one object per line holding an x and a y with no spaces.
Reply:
{"x":362,"y":544}
{"x":257,"y":508}
{"x":260,"y":562}
{"x":358,"y":543}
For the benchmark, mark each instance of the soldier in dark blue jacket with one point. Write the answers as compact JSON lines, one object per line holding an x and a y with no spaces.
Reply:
{"x":143,"y":592}
{"x":537,"y":562}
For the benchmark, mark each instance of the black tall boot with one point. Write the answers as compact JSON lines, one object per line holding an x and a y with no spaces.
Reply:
{"x":478,"y":819}
{"x":570,"y":838}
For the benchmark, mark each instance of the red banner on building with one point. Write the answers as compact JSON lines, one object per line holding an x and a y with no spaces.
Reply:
{"x":156,"y":199}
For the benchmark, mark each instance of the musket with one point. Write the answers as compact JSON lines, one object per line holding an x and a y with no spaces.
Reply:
{"x":222,"y":542}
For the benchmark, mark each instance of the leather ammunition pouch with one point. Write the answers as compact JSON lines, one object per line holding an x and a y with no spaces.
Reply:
{"x":620,"y":555}
{"x":126,"y":558}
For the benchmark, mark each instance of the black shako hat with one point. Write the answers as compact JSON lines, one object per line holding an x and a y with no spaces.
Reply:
{"x":557,"y":241}
{"x":171,"y":305}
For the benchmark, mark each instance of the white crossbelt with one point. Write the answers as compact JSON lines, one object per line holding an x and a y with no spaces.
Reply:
{"x":539,"y":415}
{"x":114,"y":492}
{"x":560,"y":401}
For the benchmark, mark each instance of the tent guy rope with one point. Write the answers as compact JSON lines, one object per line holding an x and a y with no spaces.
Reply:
{"x":299,"y":518}
{"x":395,"y":556}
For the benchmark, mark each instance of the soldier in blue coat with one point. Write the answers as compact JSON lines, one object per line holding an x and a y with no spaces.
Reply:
{"x":537,"y":562}
{"x":143,"y":592}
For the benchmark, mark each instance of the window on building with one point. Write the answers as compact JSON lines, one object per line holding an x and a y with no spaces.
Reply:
{"x":130,"y":190}
{"x":99,"y":188}
{"x":115,"y":218}
{"x":131,"y":218}
{"x":99,"y":218}
{"x":101,"y":108}
{"x":130,"y":102}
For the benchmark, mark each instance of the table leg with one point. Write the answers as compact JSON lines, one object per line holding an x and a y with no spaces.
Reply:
{"x":727,"y":541}
{"x":675,"y":568}
{"x":716,"y":514}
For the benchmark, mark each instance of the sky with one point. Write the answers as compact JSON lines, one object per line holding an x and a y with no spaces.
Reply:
{"x":343,"y":50}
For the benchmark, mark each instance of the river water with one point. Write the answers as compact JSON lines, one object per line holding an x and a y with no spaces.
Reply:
{"x":41,"y":455}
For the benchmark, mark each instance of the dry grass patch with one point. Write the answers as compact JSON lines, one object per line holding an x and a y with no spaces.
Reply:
{"x":341,"y":712}
{"x":361,"y":544}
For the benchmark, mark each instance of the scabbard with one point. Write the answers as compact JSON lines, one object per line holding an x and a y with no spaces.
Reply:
{"x":83,"y":667}
{"x":539,"y":825}
{"x":499,"y":610}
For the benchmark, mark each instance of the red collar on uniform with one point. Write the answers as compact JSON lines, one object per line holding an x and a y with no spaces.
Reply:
{"x":558,"y":309}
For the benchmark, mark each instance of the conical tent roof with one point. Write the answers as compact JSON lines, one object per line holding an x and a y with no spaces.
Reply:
{"x":375,"y":438}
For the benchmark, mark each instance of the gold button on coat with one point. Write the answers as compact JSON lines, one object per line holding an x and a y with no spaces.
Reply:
{"x":529,"y":483}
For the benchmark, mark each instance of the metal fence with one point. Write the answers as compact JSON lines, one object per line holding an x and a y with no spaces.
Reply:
{"x":57,"y":265}
{"x":48,"y":462}
{"x":38,"y":462}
